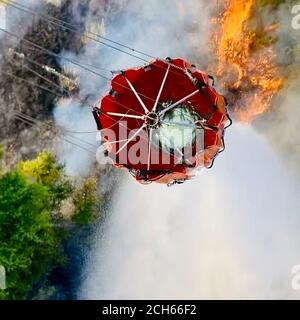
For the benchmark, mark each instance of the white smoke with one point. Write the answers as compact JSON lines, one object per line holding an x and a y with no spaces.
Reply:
{"x":284,"y":132}
{"x":283,"y":127}
{"x":13,"y":19}
{"x":77,"y":151}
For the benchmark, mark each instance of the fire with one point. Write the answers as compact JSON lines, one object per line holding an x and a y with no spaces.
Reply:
{"x":249,"y":74}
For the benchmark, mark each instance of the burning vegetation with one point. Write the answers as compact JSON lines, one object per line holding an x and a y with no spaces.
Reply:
{"x":246,"y":61}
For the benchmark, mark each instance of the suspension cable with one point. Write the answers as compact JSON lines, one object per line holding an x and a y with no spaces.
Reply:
{"x":75,"y":30}
{"x":62,"y":138}
{"x":61,"y":96}
{"x":85,"y":31}
{"x":22,"y":56}
{"x":45,"y":79}
{"x":39,"y":122}
{"x":51,"y":53}
{"x":32,"y":83}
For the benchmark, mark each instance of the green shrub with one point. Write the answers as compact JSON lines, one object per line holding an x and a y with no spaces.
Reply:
{"x":276,"y":3}
{"x":85,"y":199}
{"x":45,"y":170}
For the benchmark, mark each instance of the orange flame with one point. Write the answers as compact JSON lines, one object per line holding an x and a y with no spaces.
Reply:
{"x":245,"y":71}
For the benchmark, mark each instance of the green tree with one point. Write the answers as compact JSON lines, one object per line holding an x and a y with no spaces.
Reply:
{"x":1,"y":157}
{"x":28,"y":241}
{"x":31,"y":222}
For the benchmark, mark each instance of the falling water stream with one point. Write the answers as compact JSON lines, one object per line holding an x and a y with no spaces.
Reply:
{"x":231,"y":233}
